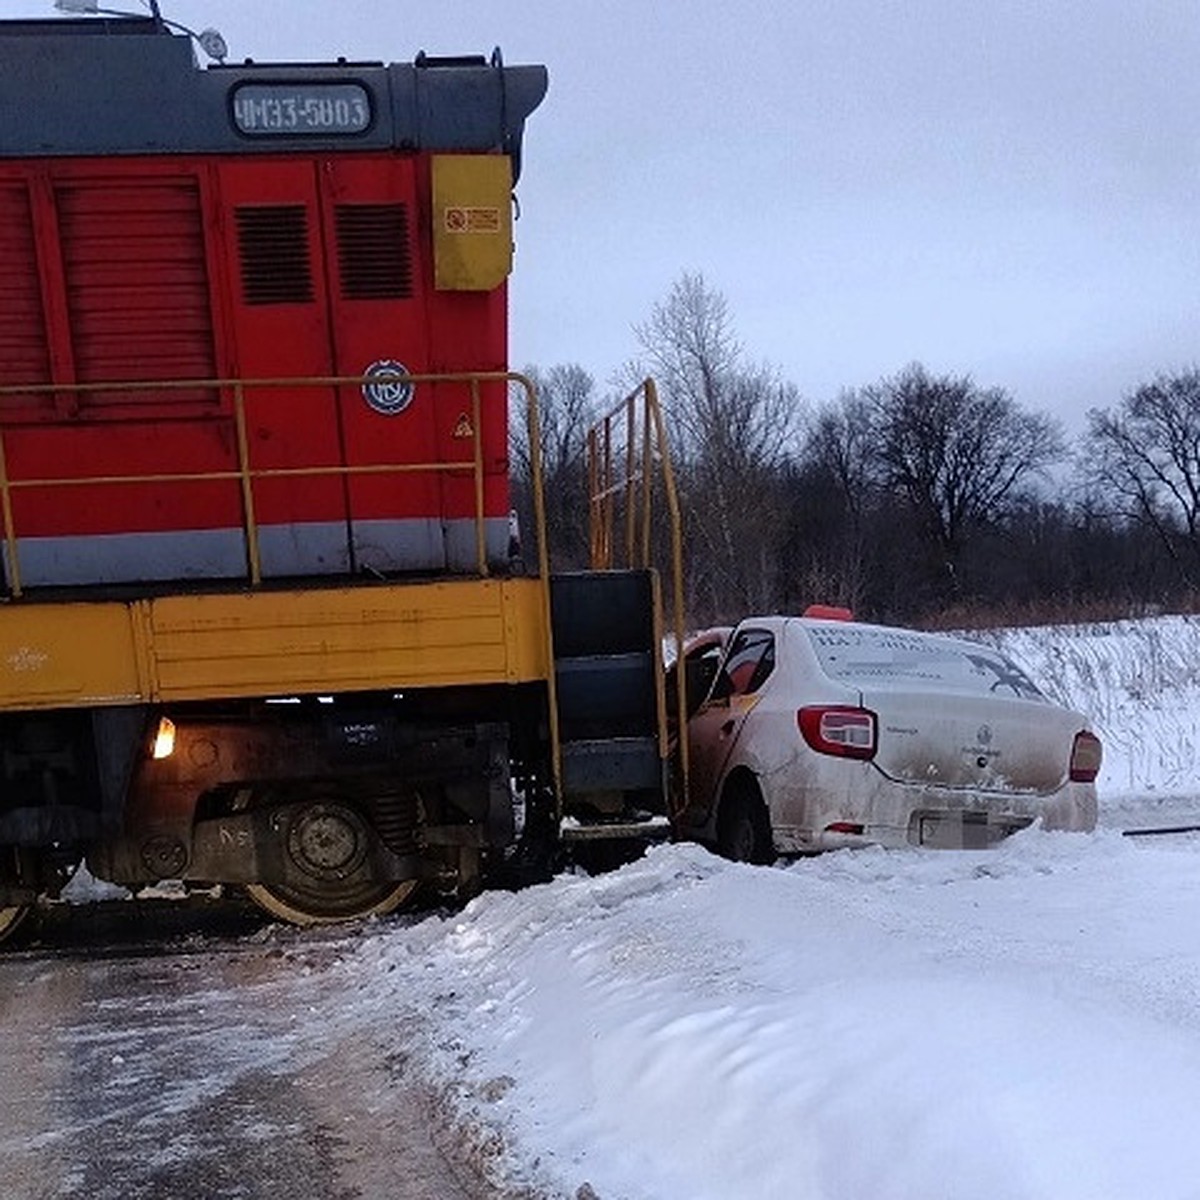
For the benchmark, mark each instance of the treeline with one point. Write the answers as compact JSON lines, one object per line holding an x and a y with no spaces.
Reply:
{"x":921,"y":498}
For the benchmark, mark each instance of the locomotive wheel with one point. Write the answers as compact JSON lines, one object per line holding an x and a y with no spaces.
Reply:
{"x":325,"y":906}
{"x":328,"y":842}
{"x":10,"y":918}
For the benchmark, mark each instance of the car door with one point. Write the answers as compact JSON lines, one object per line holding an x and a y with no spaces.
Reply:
{"x":715,"y":728}
{"x":702,"y":659}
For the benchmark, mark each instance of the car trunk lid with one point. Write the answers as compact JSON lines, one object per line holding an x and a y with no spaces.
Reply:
{"x":951,"y":713}
{"x":991,"y":743}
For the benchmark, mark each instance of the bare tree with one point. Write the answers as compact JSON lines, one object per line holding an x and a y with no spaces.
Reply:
{"x":718,"y":403}
{"x":1143,"y":463}
{"x":958,"y":455}
{"x":692,"y":350}
{"x":566,"y":410}
{"x":843,"y":441}
{"x":733,"y":425}
{"x":834,"y":516}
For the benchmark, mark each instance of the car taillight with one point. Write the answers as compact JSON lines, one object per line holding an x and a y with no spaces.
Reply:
{"x":832,"y":729}
{"x":1086,"y":756}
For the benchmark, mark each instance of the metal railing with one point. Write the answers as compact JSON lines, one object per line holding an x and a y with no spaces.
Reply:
{"x":245,"y":473}
{"x":628,"y":453}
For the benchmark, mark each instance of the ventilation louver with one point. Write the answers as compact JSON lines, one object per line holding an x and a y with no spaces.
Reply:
{"x":137,"y":289}
{"x":273,"y":244}
{"x":374,"y":256}
{"x":24,"y":353}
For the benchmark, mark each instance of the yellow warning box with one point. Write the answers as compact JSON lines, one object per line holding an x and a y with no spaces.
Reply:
{"x":472,"y":221}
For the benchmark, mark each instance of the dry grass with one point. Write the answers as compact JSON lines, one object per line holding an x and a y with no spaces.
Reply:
{"x":1056,"y":612}
{"x":1137,"y":681}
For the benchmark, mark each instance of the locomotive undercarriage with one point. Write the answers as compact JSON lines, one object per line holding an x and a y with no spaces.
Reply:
{"x":323,"y":809}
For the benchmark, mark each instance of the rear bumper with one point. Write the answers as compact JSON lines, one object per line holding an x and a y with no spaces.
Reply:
{"x":941,"y":819}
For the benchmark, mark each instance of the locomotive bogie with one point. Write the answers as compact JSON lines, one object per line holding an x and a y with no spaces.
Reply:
{"x":324,"y":799}
{"x":323,"y":808}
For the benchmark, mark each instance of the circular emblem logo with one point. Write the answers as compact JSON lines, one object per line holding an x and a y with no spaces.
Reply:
{"x":389,"y":392}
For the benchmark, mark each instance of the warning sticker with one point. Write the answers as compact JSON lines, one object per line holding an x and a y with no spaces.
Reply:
{"x":476,"y":219}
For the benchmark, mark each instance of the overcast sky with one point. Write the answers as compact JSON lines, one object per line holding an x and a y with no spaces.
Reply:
{"x":1006,"y":188}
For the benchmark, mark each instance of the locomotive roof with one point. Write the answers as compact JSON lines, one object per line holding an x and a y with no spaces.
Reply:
{"x":131,"y":86}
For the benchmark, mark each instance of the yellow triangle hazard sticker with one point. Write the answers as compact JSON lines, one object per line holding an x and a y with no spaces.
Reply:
{"x":462,"y":428}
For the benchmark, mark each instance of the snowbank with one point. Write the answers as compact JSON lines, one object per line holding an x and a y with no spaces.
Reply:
{"x":1014,"y":1023}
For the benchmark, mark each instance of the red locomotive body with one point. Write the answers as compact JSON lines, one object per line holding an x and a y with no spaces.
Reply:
{"x":253,"y":332}
{"x":305,"y":232}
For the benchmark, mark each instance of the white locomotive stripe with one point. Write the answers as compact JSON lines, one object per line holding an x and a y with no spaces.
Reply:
{"x":301,"y":548}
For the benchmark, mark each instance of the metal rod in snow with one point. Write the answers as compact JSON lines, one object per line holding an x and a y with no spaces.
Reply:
{"x":1165,"y":829}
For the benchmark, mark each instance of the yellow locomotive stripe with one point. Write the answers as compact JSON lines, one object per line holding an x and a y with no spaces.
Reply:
{"x":264,"y":643}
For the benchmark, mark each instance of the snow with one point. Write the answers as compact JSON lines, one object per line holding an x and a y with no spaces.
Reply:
{"x":1020,"y":1022}
{"x":1139,"y":683}
{"x":1017,"y":1023}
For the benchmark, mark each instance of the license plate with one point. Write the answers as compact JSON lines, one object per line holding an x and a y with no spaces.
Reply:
{"x":961,"y":831}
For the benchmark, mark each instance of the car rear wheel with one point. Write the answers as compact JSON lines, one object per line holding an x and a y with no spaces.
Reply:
{"x":743,"y":826}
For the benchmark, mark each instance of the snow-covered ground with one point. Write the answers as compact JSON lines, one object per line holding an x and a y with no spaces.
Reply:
{"x":1020,"y":1023}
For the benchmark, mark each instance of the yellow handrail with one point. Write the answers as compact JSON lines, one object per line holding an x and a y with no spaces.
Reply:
{"x":247,"y":475}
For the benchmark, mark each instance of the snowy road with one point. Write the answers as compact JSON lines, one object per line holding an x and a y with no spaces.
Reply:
{"x":209,"y":1070}
{"x":1021,"y":1023}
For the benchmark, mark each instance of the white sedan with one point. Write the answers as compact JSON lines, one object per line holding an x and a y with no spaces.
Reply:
{"x":809,"y":733}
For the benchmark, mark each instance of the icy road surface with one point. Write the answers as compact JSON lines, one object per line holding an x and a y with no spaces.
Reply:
{"x":203,"y":1070}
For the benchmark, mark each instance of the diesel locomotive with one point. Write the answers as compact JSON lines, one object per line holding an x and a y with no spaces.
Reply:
{"x":262,"y":622}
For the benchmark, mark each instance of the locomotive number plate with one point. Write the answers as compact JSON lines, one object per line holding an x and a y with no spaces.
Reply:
{"x":300,"y":109}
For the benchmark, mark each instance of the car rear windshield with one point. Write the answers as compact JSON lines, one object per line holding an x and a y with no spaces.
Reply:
{"x":873,"y":657}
